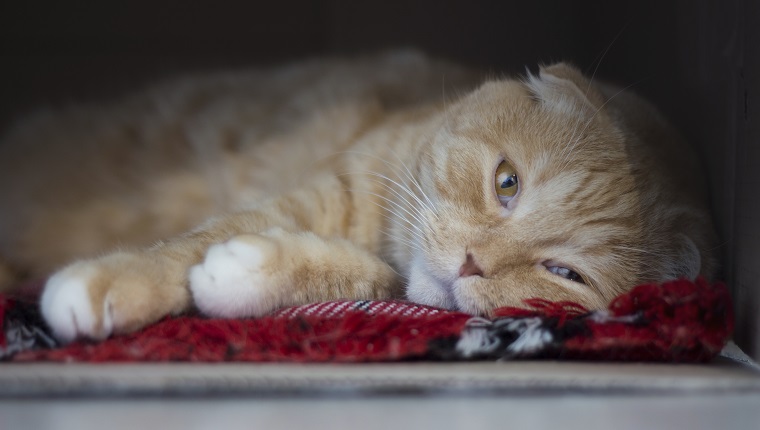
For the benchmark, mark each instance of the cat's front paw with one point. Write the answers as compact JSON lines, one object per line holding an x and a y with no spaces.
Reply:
{"x":238,"y":278}
{"x":69,"y":307}
{"x":118,"y":293}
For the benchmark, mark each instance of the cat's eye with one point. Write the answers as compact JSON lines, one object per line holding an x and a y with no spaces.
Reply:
{"x":506,"y":182}
{"x":566,"y":273}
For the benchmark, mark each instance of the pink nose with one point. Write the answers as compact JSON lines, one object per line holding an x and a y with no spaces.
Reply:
{"x":470,"y":267}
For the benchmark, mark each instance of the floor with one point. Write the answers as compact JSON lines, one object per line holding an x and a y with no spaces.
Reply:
{"x":561,"y":410}
{"x":724,"y":394}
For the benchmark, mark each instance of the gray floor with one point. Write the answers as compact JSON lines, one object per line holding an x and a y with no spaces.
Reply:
{"x":721,"y":395}
{"x":559,"y":411}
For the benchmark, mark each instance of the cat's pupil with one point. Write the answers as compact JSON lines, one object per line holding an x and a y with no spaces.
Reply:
{"x":574,"y":276}
{"x":511,"y":181}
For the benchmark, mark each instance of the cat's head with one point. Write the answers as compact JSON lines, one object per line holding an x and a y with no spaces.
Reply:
{"x":540,"y":188}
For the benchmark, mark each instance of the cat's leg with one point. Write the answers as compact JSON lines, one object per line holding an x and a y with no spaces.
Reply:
{"x":124,"y":291}
{"x":254,"y":274}
{"x":127,"y":290}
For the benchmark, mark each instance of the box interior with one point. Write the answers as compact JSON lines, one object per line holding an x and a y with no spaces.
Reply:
{"x":697,"y":60}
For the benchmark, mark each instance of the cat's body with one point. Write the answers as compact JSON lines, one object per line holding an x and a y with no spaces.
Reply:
{"x":348,"y":180}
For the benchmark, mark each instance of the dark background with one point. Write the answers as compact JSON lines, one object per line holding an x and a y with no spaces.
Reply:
{"x":698,"y":60}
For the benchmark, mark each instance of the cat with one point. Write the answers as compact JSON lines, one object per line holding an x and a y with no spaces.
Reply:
{"x":389,"y":176}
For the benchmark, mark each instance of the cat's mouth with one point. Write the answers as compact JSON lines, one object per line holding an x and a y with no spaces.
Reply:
{"x":426,"y":288}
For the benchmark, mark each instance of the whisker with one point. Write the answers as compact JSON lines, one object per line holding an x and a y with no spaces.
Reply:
{"x":402,"y":240}
{"x":408,"y":174}
{"x":416,"y":233}
{"x":419,"y":214}
{"x":395,"y":221}
{"x":604,"y":54}
{"x":411,"y":177}
{"x":417,"y":227}
{"x":399,"y":195}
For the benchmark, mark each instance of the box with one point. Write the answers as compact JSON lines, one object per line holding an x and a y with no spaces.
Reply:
{"x":699,"y":61}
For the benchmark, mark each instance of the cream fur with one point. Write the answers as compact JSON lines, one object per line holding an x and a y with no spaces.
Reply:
{"x":347,"y":179}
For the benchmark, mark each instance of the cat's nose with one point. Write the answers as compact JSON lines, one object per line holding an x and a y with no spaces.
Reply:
{"x":470,"y":267}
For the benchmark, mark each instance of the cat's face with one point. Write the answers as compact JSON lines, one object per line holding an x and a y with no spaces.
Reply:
{"x":534,"y":196}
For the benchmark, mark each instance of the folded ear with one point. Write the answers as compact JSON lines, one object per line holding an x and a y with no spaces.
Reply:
{"x":564,"y":87}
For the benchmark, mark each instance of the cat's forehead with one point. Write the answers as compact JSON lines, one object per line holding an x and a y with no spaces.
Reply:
{"x":537,"y":133}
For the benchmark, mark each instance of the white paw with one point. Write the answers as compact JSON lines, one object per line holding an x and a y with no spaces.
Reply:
{"x":233,"y":280}
{"x":68,"y":307}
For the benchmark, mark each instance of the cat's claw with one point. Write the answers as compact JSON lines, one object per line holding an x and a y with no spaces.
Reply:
{"x":236,"y":278}
{"x":68,"y":308}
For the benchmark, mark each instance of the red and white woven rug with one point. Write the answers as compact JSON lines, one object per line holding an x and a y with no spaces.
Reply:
{"x":678,"y":321}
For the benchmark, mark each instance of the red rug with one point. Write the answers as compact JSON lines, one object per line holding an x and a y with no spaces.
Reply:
{"x":679,"y":321}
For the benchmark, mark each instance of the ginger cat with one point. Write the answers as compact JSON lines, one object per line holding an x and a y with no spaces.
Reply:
{"x":347,"y":179}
